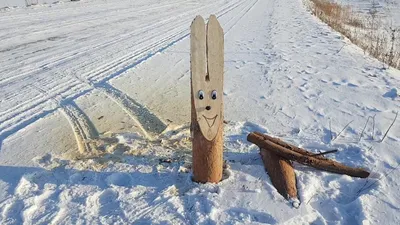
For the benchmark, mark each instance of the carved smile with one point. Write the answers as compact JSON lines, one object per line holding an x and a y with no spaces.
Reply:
{"x":210,"y":121}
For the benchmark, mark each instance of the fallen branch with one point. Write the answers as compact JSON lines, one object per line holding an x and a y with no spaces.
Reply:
{"x":289,"y":146}
{"x":281,"y":173}
{"x":314,"y":161}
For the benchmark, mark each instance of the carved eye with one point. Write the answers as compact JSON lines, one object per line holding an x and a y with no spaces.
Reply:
{"x":201,"y":95}
{"x":214,"y":94}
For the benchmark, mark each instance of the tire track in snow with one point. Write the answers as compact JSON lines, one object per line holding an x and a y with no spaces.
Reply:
{"x":149,"y":124}
{"x":32,"y":114}
{"x":24,"y":16}
{"x":108,"y":22}
{"x":87,"y":48}
{"x":64,"y":59}
{"x":134,"y":54}
{"x":246,"y":10}
{"x":119,"y":97}
{"x":143,"y":54}
{"x":101,"y":72}
{"x":84,"y":130}
{"x":127,"y":58}
{"x":55,"y":23}
{"x":21,"y":112}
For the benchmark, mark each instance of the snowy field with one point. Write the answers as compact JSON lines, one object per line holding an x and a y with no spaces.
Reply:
{"x":95,"y":110}
{"x":388,"y":10}
{"x":23,"y":3}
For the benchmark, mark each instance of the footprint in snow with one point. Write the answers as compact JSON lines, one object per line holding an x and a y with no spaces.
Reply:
{"x":391,"y":94}
{"x":12,"y":212}
{"x":104,"y":203}
{"x":249,"y":216}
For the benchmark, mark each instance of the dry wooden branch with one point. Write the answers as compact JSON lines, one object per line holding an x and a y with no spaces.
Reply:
{"x":281,"y":172}
{"x":325,"y":164}
{"x":289,"y":146}
{"x":324,"y":153}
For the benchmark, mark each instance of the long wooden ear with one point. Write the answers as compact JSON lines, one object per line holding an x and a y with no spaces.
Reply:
{"x":215,"y":50}
{"x":198,"y":49}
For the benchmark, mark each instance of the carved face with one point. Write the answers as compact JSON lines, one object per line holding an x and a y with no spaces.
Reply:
{"x":207,"y":63}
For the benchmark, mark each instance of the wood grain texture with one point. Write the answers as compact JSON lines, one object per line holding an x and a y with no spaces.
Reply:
{"x":281,"y":173}
{"x":289,"y":146}
{"x":207,"y":157}
{"x":207,"y":62}
{"x":322,"y":164}
{"x":207,"y":70}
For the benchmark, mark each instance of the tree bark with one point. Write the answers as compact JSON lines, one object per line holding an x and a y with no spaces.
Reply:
{"x":289,"y":146}
{"x":207,"y":155}
{"x":306,"y":159}
{"x":281,"y":173}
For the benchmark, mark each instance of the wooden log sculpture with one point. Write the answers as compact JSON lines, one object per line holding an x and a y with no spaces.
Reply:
{"x":306,"y":159}
{"x":281,"y":173}
{"x":207,"y":70}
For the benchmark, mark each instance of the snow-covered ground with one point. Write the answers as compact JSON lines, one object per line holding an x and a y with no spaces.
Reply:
{"x":94,"y":116}
{"x":388,"y":10}
{"x":24,"y":3}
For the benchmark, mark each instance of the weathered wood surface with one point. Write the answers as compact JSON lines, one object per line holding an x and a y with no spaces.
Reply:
{"x":306,"y":159}
{"x":289,"y":146}
{"x":281,"y":173}
{"x":207,"y":112}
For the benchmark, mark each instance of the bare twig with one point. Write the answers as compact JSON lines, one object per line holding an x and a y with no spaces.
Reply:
{"x":365,"y":126}
{"x":362,"y":188}
{"x":373,"y":127}
{"x":390,"y":127}
{"x":362,"y":132}
{"x":366,"y":182}
{"x":324,"y":153}
{"x":330,"y":129}
{"x":311,"y":198}
{"x":337,"y":52}
{"x":365,"y":187}
{"x":343,"y":130}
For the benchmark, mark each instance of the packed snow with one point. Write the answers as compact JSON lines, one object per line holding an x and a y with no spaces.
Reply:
{"x":24,"y":3}
{"x":387,"y":10}
{"x":95,"y":113}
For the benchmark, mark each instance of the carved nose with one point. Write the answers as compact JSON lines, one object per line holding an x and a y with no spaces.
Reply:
{"x":208,"y":107}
